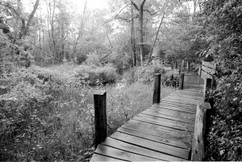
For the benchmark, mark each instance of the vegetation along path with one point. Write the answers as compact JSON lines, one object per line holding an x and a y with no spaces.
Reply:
{"x":161,"y":132}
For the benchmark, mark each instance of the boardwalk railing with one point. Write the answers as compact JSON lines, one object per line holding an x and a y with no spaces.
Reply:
{"x":206,"y":71}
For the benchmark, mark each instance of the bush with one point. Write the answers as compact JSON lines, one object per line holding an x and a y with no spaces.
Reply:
{"x":96,"y":75}
{"x":126,"y":101}
{"x":225,"y":142}
{"x":43,"y":118}
{"x":144,"y":74}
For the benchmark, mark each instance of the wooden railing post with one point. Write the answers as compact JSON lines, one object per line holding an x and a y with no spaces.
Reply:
{"x":181,"y":81}
{"x":100,"y":117}
{"x":207,"y":86}
{"x":188,"y":66}
{"x":156,"y":94}
{"x":198,"y":143}
{"x":199,"y":70}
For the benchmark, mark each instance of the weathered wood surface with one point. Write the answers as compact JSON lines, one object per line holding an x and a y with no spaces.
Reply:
{"x":156,"y":95}
{"x":100,"y":117}
{"x":208,"y":69}
{"x":163,"y":132}
{"x":198,"y":147}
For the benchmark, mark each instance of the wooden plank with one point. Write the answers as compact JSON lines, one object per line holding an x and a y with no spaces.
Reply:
{"x":160,"y":115}
{"x":205,"y":75}
{"x":174,"y":108}
{"x":183,"y":100}
{"x":171,"y":113}
{"x":158,"y":147}
{"x":195,"y":96}
{"x":153,"y":138}
{"x":166,"y":101}
{"x":176,"y":102}
{"x":154,"y":129}
{"x":137,"y":150}
{"x":120,"y":154}
{"x":165,"y":122}
{"x":166,"y":105}
{"x":208,"y":70}
{"x":189,"y":96}
{"x":198,"y":147}
{"x":211,"y":65}
{"x":97,"y":157}
{"x":162,"y":132}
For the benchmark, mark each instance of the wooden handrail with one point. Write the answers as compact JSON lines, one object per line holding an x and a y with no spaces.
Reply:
{"x":208,"y":69}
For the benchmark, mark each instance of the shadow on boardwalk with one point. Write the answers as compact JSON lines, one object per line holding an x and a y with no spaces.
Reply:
{"x":162,"y":132}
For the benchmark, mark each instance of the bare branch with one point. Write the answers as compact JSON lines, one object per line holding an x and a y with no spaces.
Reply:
{"x":150,"y":12}
{"x":120,"y":11}
{"x":135,"y":5}
{"x":142,"y":4}
{"x":127,"y":20}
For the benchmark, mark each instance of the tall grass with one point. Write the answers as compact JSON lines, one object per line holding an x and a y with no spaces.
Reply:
{"x":66,"y":130}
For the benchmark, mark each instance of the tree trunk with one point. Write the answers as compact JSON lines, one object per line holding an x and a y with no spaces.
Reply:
{"x":31,"y":16}
{"x":133,"y":36}
{"x":141,"y":37}
{"x":141,"y":16}
{"x":80,"y":30}
{"x":156,"y":36}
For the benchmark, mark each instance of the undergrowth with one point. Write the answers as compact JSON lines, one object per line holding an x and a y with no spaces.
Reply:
{"x":47,"y":115}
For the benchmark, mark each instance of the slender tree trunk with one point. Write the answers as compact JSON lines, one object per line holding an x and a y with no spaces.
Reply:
{"x":31,"y":16}
{"x":133,"y":36}
{"x":142,"y":59}
{"x":140,"y":9}
{"x":80,"y":30}
{"x":156,"y":36}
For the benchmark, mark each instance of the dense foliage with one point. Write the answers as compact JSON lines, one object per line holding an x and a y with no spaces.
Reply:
{"x":223,"y":32}
{"x":96,"y":75}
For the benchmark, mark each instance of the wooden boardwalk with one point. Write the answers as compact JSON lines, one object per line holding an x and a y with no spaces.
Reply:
{"x":161,"y":132}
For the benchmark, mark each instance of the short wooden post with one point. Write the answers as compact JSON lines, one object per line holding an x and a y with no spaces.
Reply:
{"x":181,"y":81}
{"x":207,"y":86}
{"x":182,"y":66}
{"x":198,"y":146}
{"x":199,"y":70}
{"x":100,"y":117}
{"x":188,"y":66}
{"x":156,"y":94}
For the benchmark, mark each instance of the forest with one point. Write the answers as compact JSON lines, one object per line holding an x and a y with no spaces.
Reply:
{"x":55,"y":53}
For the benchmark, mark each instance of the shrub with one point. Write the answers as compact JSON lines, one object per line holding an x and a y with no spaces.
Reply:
{"x":43,"y":118}
{"x":143,"y":74}
{"x":95,"y":75}
{"x":127,"y":101}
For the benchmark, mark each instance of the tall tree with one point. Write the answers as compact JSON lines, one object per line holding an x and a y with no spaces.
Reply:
{"x":17,"y":13}
{"x":140,"y":9}
{"x":133,"y":36}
